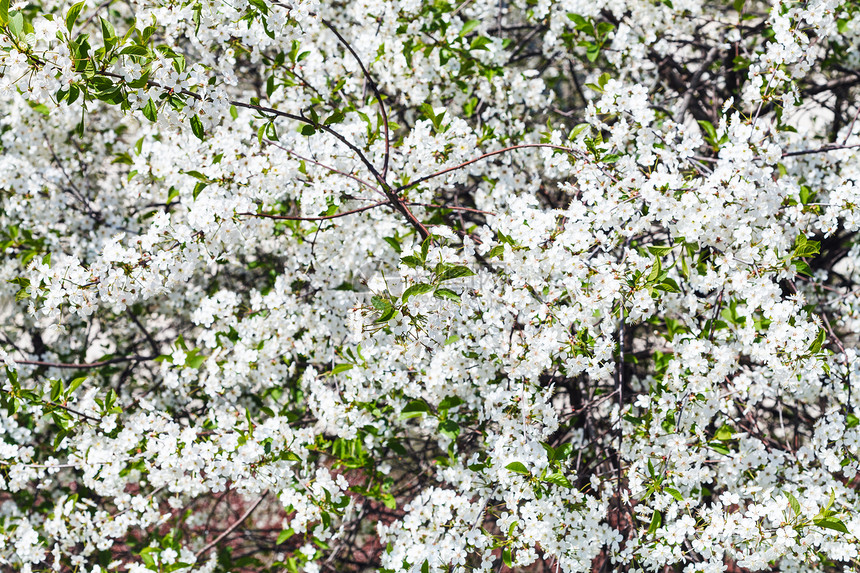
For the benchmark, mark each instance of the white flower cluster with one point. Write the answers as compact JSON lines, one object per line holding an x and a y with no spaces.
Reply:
{"x":429,"y":286}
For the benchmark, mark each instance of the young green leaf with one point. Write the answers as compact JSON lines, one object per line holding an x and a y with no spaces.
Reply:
{"x":414,"y":408}
{"x":831,"y":522}
{"x":72,"y":15}
{"x":416,"y":289}
{"x":149,"y":110}
{"x":517,"y":467}
{"x":449,"y":272}
{"x":197,"y":127}
{"x":656,"y":522}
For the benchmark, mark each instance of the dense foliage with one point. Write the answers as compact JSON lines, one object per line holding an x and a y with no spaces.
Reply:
{"x":554,"y":285}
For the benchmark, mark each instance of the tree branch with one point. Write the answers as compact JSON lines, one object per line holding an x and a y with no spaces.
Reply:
{"x":230,"y":529}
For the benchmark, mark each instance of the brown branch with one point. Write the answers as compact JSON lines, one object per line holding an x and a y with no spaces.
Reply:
{"x":451,"y":207}
{"x":324,"y":166}
{"x":94,"y":14}
{"x":393,"y":197}
{"x":230,"y":529}
{"x":480,"y":158}
{"x":71,"y":411}
{"x":87,"y":365}
{"x":276,"y":112}
{"x":359,"y":210}
{"x":373,"y":86}
{"x":395,"y":201}
{"x":823,"y":149}
{"x":320,"y":218}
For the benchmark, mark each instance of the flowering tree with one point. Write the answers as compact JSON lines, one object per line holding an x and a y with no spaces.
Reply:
{"x":429,"y":286}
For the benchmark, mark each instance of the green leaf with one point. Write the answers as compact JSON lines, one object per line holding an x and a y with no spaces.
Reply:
{"x":580,"y":22}
{"x":656,"y":522}
{"x":480,"y":43}
{"x":564,"y":451}
{"x":792,"y":501}
{"x":194,"y":360}
{"x":414,"y":408}
{"x":307,"y":130}
{"x":826,"y":511}
{"x":725,"y":433}
{"x":507,"y":558}
{"x":411,"y":261}
{"x":807,"y":250}
{"x":16,"y":24}
{"x":72,"y":15}
{"x":419,"y":288}
{"x":710,"y":132}
{"x":815,"y":347}
{"x":284,"y":535}
{"x":577,"y":130}
{"x":469,"y":26}
{"x":802,"y":268}
{"x":380,"y":303}
{"x":149,"y":110}
{"x":831,"y":523}
{"x":260,"y":5}
{"x":134,"y":51}
{"x":335,"y":117}
{"x":4,"y":12}
{"x":388,"y":501}
{"x":198,"y":188}
{"x":446,"y":293}
{"x":395,"y":244}
{"x":659,"y":250}
{"x":197,"y":175}
{"x":517,"y":467}
{"x":108,"y":33}
{"x":341,"y":368}
{"x":387,"y":315}
{"x":558,"y":479}
{"x":674,"y":493}
{"x":449,"y":272}
{"x":851,"y":421}
{"x":668,"y":285}
{"x":719,"y":448}
{"x":449,"y":402}
{"x":655,"y":270}
{"x":40,"y":107}
{"x":197,"y":126}
{"x":140,"y":82}
{"x":450,"y":429}
{"x":75,"y":384}
{"x":56,"y":390}
{"x":804,"y":247}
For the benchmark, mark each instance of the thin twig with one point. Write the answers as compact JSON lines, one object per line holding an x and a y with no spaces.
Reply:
{"x":451,"y":207}
{"x":823,"y":149}
{"x":373,"y":86}
{"x":320,"y":218}
{"x":85,"y":365}
{"x":324,"y":166}
{"x":481,"y":158}
{"x":230,"y":529}
{"x":94,"y":14}
{"x":71,"y":411}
